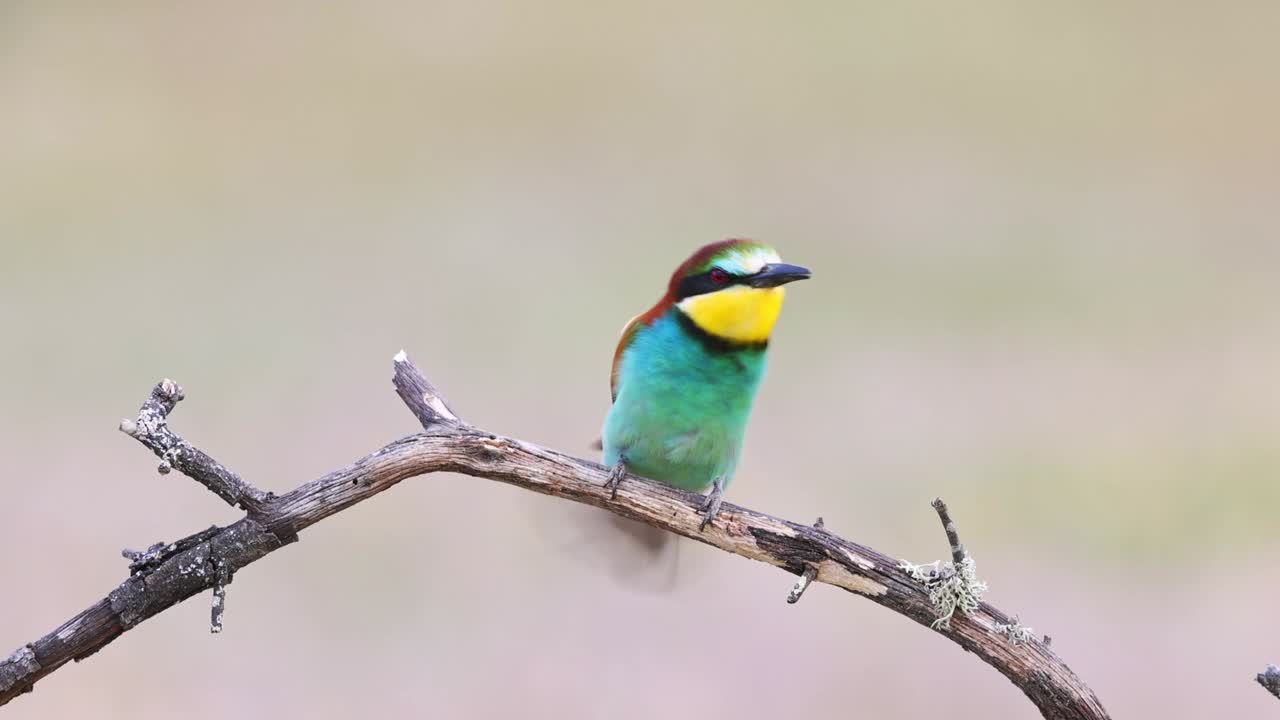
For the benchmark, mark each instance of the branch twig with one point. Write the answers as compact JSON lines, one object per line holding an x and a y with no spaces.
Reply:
{"x":168,"y":574}
{"x":958,"y":553}
{"x":222,"y":579}
{"x":807,"y":577}
{"x":424,"y":400}
{"x":152,"y":429}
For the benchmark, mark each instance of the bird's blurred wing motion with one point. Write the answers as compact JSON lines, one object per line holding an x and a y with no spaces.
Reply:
{"x":636,"y":557}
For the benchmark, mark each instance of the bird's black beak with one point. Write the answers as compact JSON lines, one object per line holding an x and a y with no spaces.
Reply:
{"x":775,"y":274}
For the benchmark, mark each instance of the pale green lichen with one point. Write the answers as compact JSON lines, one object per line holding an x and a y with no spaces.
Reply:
{"x":951,"y":588}
{"x":1017,"y":633}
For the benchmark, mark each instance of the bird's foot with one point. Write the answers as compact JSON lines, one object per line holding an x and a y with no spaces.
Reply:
{"x":616,"y":473}
{"x":712,"y":504}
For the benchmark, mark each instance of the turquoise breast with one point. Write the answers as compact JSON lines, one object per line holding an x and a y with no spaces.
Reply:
{"x":682,"y":405}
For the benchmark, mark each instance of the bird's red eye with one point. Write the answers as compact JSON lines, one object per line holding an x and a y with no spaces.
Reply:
{"x":719,"y":276}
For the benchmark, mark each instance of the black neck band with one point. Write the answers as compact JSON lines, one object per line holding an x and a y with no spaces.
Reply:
{"x":715,"y":343}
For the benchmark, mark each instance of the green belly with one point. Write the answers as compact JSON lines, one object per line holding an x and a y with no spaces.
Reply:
{"x":682,"y":409}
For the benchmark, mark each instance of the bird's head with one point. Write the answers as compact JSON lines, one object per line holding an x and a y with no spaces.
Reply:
{"x":733,"y":289}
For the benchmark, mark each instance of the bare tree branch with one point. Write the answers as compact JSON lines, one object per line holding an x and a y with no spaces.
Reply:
{"x":167,"y":574}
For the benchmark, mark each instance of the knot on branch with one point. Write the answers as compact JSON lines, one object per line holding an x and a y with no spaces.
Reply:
{"x":487,"y":448}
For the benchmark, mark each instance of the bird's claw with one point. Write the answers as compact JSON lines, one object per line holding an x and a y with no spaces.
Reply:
{"x":711,"y":506}
{"x":616,"y":473}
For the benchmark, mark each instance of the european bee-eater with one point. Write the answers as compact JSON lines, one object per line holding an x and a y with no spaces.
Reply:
{"x":685,"y":372}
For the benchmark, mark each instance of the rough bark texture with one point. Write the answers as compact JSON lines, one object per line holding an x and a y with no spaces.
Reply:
{"x":168,"y":574}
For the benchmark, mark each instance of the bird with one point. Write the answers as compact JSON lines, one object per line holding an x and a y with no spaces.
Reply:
{"x":685,"y":372}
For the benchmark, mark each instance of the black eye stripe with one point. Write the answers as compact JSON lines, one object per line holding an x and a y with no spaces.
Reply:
{"x":702,"y":283}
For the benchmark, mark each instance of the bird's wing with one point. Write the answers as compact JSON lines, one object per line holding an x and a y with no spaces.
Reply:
{"x":628,"y":333}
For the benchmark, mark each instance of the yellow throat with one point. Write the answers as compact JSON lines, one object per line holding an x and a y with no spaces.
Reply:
{"x":738,"y":313}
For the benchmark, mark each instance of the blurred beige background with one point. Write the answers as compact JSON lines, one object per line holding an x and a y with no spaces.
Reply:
{"x":1046,"y":250}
